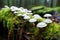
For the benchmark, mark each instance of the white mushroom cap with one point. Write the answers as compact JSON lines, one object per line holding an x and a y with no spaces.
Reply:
{"x":41,"y":25}
{"x":6,"y":6}
{"x":32,"y":20}
{"x":26,"y":17}
{"x":3,"y":8}
{"x":36,"y":16}
{"x":13,"y":8}
{"x":25,"y":10}
{"x":48,"y":21}
{"x":29,"y":11}
{"x":47,"y":15}
{"x":21,"y":8}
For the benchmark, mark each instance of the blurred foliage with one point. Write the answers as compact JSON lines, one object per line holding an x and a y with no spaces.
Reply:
{"x":43,"y":9}
{"x":30,"y":3}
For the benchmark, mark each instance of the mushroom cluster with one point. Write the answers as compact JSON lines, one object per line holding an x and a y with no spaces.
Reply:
{"x":28,"y":15}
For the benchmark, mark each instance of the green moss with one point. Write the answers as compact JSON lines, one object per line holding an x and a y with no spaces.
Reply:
{"x":8,"y":18}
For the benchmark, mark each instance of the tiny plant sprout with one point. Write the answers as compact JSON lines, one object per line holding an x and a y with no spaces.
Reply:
{"x":48,"y":21}
{"x":32,"y":20}
{"x":41,"y":25}
{"x":47,"y":15}
{"x":26,"y":17}
{"x":36,"y":16}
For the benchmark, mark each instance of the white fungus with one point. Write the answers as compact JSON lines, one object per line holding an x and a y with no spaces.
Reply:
{"x":21,"y":8}
{"x":32,"y":20}
{"x":47,"y":15}
{"x":13,"y":8}
{"x":6,"y":6}
{"x":48,"y":21}
{"x":41,"y":25}
{"x":26,"y":17}
{"x":36,"y":16}
{"x":29,"y":11}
